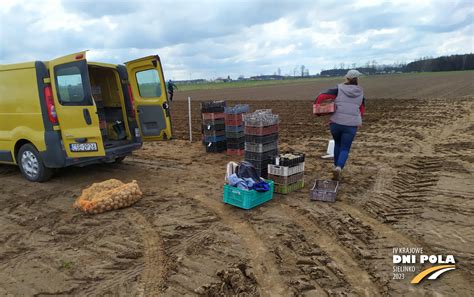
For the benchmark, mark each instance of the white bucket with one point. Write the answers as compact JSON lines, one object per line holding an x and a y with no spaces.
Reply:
{"x":330,"y":150}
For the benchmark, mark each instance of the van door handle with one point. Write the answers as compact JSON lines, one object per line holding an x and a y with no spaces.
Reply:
{"x":87,"y":116}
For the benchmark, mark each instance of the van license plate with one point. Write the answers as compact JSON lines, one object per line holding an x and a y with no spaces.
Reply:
{"x":83,"y":147}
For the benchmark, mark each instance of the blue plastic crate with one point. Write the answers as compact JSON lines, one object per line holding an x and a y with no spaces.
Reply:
{"x":247,"y":199}
{"x":239,"y":108}
{"x":234,"y":128}
{"x":214,"y":138}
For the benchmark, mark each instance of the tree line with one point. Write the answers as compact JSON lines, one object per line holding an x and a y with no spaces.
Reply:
{"x":425,"y":64}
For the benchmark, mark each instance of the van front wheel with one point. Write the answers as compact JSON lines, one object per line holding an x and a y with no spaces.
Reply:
{"x":31,"y":164}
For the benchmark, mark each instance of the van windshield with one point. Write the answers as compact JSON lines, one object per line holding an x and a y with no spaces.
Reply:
{"x":69,"y":85}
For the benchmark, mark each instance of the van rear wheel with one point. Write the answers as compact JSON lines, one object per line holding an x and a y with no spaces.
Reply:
{"x":31,"y":164}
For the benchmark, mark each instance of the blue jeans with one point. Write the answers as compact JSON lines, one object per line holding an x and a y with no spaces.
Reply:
{"x":343,"y":137}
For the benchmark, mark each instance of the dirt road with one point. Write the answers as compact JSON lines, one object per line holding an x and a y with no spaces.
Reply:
{"x":409,"y":183}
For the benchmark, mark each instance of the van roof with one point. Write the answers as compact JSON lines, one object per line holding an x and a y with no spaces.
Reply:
{"x":26,"y":65}
{"x":102,"y":64}
{"x":17,"y":66}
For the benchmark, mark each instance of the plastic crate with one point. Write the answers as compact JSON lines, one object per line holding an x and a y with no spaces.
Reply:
{"x":214,"y":122}
{"x":213,"y":115}
{"x":261,"y":139}
{"x":239,"y":108}
{"x":213,"y":106}
{"x":233,"y":117}
{"x":234,"y":128}
{"x":261,"y":167}
{"x":236,"y":140}
{"x":235,"y":135}
{"x":213,"y":109}
{"x":246,"y":199}
{"x":214,"y":133}
{"x":234,"y":122}
{"x":260,"y":164}
{"x":216,"y":147}
{"x":285,"y":170}
{"x":210,"y":127}
{"x":285,"y":189}
{"x":261,"y":131}
{"x":261,"y":147}
{"x":235,"y":145}
{"x":266,"y":156}
{"x":286,"y":180}
{"x":262,"y":172}
{"x":324,"y":190}
{"x":214,"y":138}
{"x":289,"y":159}
{"x":260,"y":119}
{"x":325,"y":108}
{"x":234,"y":152}
{"x":263,"y":111}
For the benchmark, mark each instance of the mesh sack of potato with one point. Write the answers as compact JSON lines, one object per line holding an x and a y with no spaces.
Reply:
{"x":108,"y":195}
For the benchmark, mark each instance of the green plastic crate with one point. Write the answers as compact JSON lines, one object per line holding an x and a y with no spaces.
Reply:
{"x":285,"y":189}
{"x":247,"y":199}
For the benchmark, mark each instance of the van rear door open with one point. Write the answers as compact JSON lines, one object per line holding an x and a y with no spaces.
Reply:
{"x":75,"y":108}
{"x":150,"y":99}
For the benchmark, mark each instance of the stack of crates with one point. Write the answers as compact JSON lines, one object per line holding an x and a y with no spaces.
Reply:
{"x":213,"y":126}
{"x":234,"y":129}
{"x":287,"y":172}
{"x":261,"y":139}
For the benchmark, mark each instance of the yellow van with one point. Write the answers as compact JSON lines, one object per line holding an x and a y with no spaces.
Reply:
{"x":69,"y":111}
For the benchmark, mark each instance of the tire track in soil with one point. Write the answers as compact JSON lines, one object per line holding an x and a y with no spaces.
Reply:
{"x":358,"y":278}
{"x":400,"y":195}
{"x":154,"y":272}
{"x":265,"y":270}
{"x":364,"y":243}
{"x":396,"y":238}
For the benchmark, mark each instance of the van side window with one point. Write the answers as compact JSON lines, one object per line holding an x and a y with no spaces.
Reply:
{"x":69,"y":85}
{"x":148,"y":83}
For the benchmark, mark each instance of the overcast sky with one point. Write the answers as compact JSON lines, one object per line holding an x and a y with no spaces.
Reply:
{"x":207,"y":39}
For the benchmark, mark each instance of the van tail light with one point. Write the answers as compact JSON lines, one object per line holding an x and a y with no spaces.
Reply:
{"x":48,"y":97}
{"x":132,"y":101}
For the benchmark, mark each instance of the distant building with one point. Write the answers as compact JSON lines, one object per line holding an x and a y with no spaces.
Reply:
{"x":191,"y":81}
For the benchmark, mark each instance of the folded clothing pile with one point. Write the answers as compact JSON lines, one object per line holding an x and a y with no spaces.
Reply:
{"x":244,"y":176}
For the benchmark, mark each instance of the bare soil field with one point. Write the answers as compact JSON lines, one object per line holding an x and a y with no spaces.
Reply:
{"x":409,"y":183}
{"x":399,"y":86}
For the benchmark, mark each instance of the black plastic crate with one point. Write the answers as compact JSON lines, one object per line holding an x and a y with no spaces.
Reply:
{"x":213,"y":106}
{"x":235,"y":146}
{"x":214,"y":133}
{"x":216,"y":147}
{"x":262,"y":172}
{"x":269,"y":156}
{"x":289,"y":159}
{"x":261,"y":139}
{"x":215,"y":127}
{"x":235,"y":135}
{"x":236,"y":140}
{"x":214,"y":122}
{"x":260,"y":164}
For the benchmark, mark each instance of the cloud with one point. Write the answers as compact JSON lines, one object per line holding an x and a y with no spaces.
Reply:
{"x":218,"y":38}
